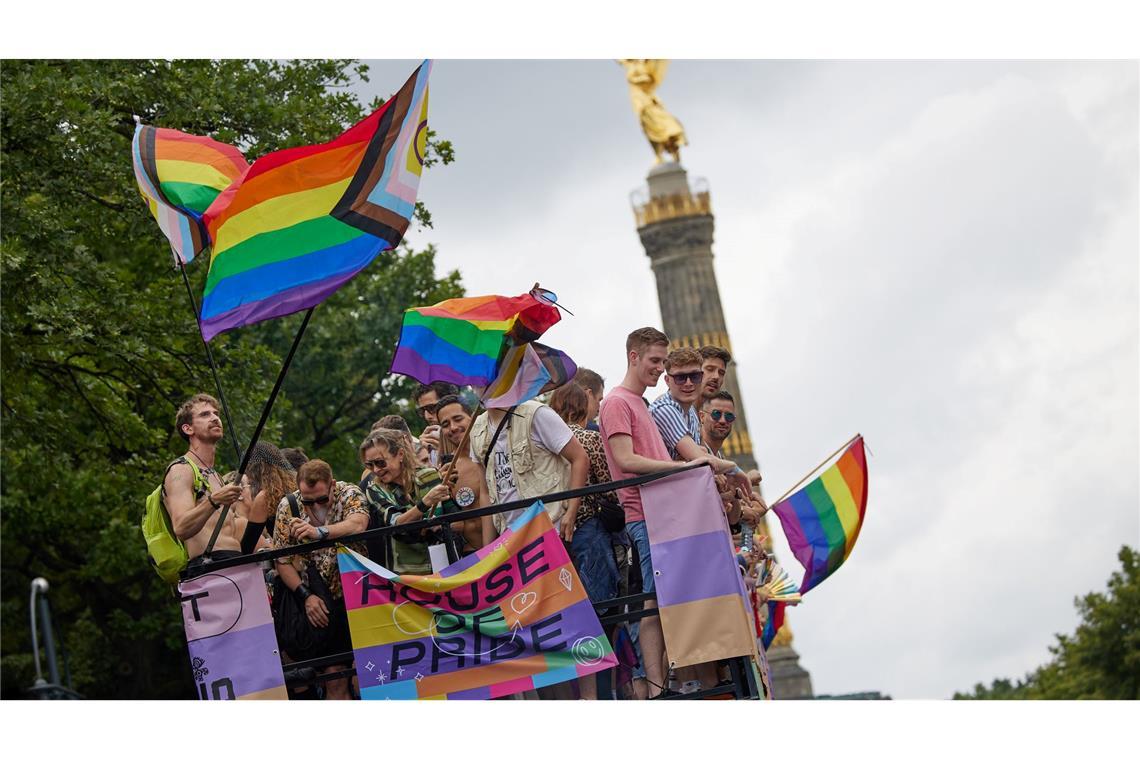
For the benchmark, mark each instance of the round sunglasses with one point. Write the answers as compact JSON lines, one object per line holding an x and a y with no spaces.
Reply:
{"x":728,"y":416}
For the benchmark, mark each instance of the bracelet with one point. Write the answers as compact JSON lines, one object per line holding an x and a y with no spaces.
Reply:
{"x":302,"y":592}
{"x":210,"y":498}
{"x":421,"y":506}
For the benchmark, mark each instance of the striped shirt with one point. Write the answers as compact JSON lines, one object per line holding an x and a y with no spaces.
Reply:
{"x":674,"y":423}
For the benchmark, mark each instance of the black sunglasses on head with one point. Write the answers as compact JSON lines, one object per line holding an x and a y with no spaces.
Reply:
{"x":728,"y":416}
{"x":319,"y":500}
{"x":688,"y":377}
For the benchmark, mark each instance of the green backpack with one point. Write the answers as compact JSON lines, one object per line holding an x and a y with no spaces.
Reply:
{"x":166,"y":553}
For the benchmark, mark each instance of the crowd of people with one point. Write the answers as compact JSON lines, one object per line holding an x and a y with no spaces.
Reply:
{"x":581,"y":436}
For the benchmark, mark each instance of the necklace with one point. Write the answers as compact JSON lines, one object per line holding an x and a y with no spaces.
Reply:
{"x":206,"y":470}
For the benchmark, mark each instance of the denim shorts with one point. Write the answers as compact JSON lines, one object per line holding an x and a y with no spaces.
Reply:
{"x":640,"y":536}
{"x":594,"y":560}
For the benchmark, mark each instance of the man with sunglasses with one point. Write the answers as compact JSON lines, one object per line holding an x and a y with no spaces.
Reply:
{"x":326,"y":509}
{"x":717,"y":415}
{"x":427,"y":398}
{"x":675,"y":412}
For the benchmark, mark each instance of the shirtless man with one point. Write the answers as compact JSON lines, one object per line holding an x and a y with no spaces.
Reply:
{"x":468,"y":486}
{"x":194,"y":515}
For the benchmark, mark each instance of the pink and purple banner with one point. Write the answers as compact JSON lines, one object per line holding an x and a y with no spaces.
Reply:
{"x":229,"y":632}
{"x":705,"y":612}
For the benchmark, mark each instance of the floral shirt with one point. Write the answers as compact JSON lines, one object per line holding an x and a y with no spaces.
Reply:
{"x":591,"y":441}
{"x":347,"y":499}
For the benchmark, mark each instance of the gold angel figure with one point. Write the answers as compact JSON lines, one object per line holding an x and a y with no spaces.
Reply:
{"x":664,"y":132}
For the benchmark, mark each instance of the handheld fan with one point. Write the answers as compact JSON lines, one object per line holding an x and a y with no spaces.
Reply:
{"x":778,"y":584}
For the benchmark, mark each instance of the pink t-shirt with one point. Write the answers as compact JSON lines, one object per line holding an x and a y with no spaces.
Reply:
{"x":623,"y":412}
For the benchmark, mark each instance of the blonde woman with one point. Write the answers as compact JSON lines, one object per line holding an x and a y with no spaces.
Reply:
{"x":403,"y":492}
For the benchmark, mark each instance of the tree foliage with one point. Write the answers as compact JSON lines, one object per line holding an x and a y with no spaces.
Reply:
{"x":99,"y":345}
{"x":1101,"y":659}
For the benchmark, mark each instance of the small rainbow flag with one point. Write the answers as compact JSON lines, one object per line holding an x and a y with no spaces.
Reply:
{"x":525,"y":372}
{"x":303,"y":221}
{"x":773,"y":624}
{"x":822,"y":520}
{"x":179,"y":176}
{"x":464,"y":340}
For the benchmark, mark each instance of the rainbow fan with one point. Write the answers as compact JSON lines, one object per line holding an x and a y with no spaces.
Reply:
{"x":778,"y":584}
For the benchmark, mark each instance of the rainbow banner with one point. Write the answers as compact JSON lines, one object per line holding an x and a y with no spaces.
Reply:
{"x":304,"y":221}
{"x":463,"y":340}
{"x":179,"y":176}
{"x":229,"y":632}
{"x":822,"y":520}
{"x":525,"y":372}
{"x":511,"y":617}
{"x":705,"y":611}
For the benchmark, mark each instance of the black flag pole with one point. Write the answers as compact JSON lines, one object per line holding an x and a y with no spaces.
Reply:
{"x":210,"y":359}
{"x":273,"y":394}
{"x":265,"y":414}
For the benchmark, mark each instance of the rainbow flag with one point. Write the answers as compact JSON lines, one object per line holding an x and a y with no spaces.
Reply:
{"x":525,"y":372}
{"x":463,"y":340}
{"x":822,"y":520}
{"x":511,"y":617}
{"x":303,"y":221}
{"x":179,"y":176}
{"x":773,"y":624}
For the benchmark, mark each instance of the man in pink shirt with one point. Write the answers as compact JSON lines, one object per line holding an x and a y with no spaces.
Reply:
{"x":634,"y":447}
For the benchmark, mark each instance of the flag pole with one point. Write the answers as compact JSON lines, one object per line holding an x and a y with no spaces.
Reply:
{"x":210,"y":359}
{"x":273,"y":394}
{"x":817,"y":468}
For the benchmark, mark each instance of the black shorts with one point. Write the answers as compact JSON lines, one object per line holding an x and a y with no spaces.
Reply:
{"x":338,"y":641}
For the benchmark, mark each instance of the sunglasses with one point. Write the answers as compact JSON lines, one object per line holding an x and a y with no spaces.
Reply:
{"x":372,"y":464}
{"x":728,"y":416}
{"x":423,"y":410}
{"x":322,"y":500}
{"x":682,"y":378}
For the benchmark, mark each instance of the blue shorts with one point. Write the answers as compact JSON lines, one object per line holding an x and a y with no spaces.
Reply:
{"x":639,"y":534}
{"x":594,"y":560}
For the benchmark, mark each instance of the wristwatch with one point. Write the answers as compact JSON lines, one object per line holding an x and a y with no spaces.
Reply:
{"x":322,"y":533}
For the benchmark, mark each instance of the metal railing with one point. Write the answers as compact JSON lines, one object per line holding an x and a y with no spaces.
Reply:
{"x":743,"y":684}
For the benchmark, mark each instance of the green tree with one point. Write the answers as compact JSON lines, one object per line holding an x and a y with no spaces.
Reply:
{"x":1101,"y":659}
{"x":98,"y":345}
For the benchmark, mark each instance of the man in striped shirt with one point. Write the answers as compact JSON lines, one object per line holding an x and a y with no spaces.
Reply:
{"x":675,"y":411}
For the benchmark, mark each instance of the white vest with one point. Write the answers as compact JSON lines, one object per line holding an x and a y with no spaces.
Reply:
{"x":536,"y":470}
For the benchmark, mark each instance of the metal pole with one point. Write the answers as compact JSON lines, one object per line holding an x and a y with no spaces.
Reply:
{"x":49,"y":641}
{"x":213,"y":367}
{"x":39,"y":586}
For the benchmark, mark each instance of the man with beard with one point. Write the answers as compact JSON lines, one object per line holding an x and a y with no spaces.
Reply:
{"x":717,"y":415}
{"x":467,"y":483}
{"x":195,"y":495}
{"x":714,"y":364}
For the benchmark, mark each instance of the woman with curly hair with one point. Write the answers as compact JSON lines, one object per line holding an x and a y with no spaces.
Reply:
{"x":268,"y":478}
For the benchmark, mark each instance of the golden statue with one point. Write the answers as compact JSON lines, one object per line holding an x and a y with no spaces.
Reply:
{"x":662,"y":129}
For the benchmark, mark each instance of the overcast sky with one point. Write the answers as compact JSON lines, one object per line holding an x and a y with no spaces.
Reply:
{"x":941,"y":256}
